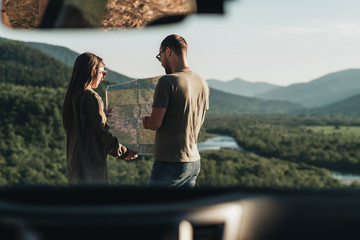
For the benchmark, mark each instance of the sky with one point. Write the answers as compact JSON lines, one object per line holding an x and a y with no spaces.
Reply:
{"x":280,"y":42}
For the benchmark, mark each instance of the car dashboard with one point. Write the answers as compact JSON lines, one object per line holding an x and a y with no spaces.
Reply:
{"x":100,"y":212}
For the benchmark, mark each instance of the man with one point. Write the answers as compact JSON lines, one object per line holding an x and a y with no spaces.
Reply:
{"x":180,"y":103}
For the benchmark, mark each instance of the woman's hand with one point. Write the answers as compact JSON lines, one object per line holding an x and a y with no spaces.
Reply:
{"x":108,"y":112}
{"x":131,"y":155}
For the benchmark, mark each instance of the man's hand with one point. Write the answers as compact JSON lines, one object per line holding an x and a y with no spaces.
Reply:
{"x":145,"y":119}
{"x":154,"y":121}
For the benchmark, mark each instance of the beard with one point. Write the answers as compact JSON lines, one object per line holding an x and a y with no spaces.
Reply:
{"x":168,"y":70}
{"x":166,"y":66}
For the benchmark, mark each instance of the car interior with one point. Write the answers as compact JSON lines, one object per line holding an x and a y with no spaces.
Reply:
{"x":134,"y":212}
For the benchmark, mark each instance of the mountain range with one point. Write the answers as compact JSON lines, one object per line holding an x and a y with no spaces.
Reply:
{"x":222,"y":103}
{"x":334,"y":93}
{"x":326,"y":90}
{"x":48,"y":59}
{"x":48,"y":65}
{"x":242,"y":87}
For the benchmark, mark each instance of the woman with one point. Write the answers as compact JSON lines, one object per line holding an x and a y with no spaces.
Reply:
{"x":88,"y":137}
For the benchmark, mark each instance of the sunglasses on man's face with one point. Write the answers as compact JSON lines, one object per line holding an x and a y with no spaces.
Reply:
{"x":158,"y":57}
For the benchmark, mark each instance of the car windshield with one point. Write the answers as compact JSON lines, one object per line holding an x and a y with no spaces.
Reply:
{"x":284,"y":83}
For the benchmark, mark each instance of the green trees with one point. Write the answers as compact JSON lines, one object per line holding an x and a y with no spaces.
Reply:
{"x":32,"y":141}
{"x":289,"y":138}
{"x":228,"y":167}
{"x":135,"y":172}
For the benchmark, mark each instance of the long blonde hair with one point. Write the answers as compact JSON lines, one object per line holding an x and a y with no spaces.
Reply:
{"x":85,"y":70}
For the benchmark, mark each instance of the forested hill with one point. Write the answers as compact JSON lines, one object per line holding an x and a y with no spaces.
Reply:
{"x":222,"y":103}
{"x":68,"y":57}
{"x":62,"y":54}
{"x":349,"y":106}
{"x":23,"y":65}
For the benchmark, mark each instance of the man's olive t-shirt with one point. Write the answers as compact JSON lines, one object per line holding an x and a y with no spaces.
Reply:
{"x":185,"y":95}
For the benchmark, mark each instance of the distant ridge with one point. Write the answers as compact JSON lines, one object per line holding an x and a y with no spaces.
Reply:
{"x":320,"y":92}
{"x":242,"y":87}
{"x":230,"y":104}
{"x":62,"y":54}
{"x":349,"y":106}
{"x":24,"y":65}
{"x":68,"y":57}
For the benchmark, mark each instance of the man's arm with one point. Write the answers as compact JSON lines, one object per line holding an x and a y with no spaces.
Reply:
{"x":155,"y":120}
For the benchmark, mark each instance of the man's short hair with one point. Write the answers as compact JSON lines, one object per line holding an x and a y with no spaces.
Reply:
{"x":176,"y":43}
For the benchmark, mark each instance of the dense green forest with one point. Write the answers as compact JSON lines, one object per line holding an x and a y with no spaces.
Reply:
{"x":32,"y":140}
{"x":228,"y":167}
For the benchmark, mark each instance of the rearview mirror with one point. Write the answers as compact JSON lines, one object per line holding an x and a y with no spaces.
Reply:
{"x":105,"y":14}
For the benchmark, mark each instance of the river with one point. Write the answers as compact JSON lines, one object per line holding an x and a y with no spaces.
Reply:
{"x":346,"y":178}
{"x":219,"y":141}
{"x":222,"y":141}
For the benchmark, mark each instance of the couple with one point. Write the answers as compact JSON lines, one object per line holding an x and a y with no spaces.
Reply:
{"x":180,"y":102}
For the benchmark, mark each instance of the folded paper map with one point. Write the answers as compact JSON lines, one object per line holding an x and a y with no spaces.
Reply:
{"x":129,"y":103}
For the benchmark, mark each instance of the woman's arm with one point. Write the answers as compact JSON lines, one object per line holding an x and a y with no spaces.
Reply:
{"x":101,"y":129}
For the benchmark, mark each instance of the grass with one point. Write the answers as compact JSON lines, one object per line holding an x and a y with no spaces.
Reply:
{"x":345,"y":130}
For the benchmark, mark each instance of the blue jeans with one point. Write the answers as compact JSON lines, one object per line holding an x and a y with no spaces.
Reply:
{"x":174,"y":174}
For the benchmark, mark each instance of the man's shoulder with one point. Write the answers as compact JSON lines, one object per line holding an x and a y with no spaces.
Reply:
{"x":183,"y":74}
{"x":175,"y":78}
{"x":168,"y":79}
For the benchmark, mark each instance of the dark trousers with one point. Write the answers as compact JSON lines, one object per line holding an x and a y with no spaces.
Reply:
{"x":174,"y":174}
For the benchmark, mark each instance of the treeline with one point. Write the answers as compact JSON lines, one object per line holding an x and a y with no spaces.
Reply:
{"x":289,"y":138}
{"x":228,"y":167}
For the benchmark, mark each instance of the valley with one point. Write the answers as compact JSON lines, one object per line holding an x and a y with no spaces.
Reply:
{"x":294,"y":147}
